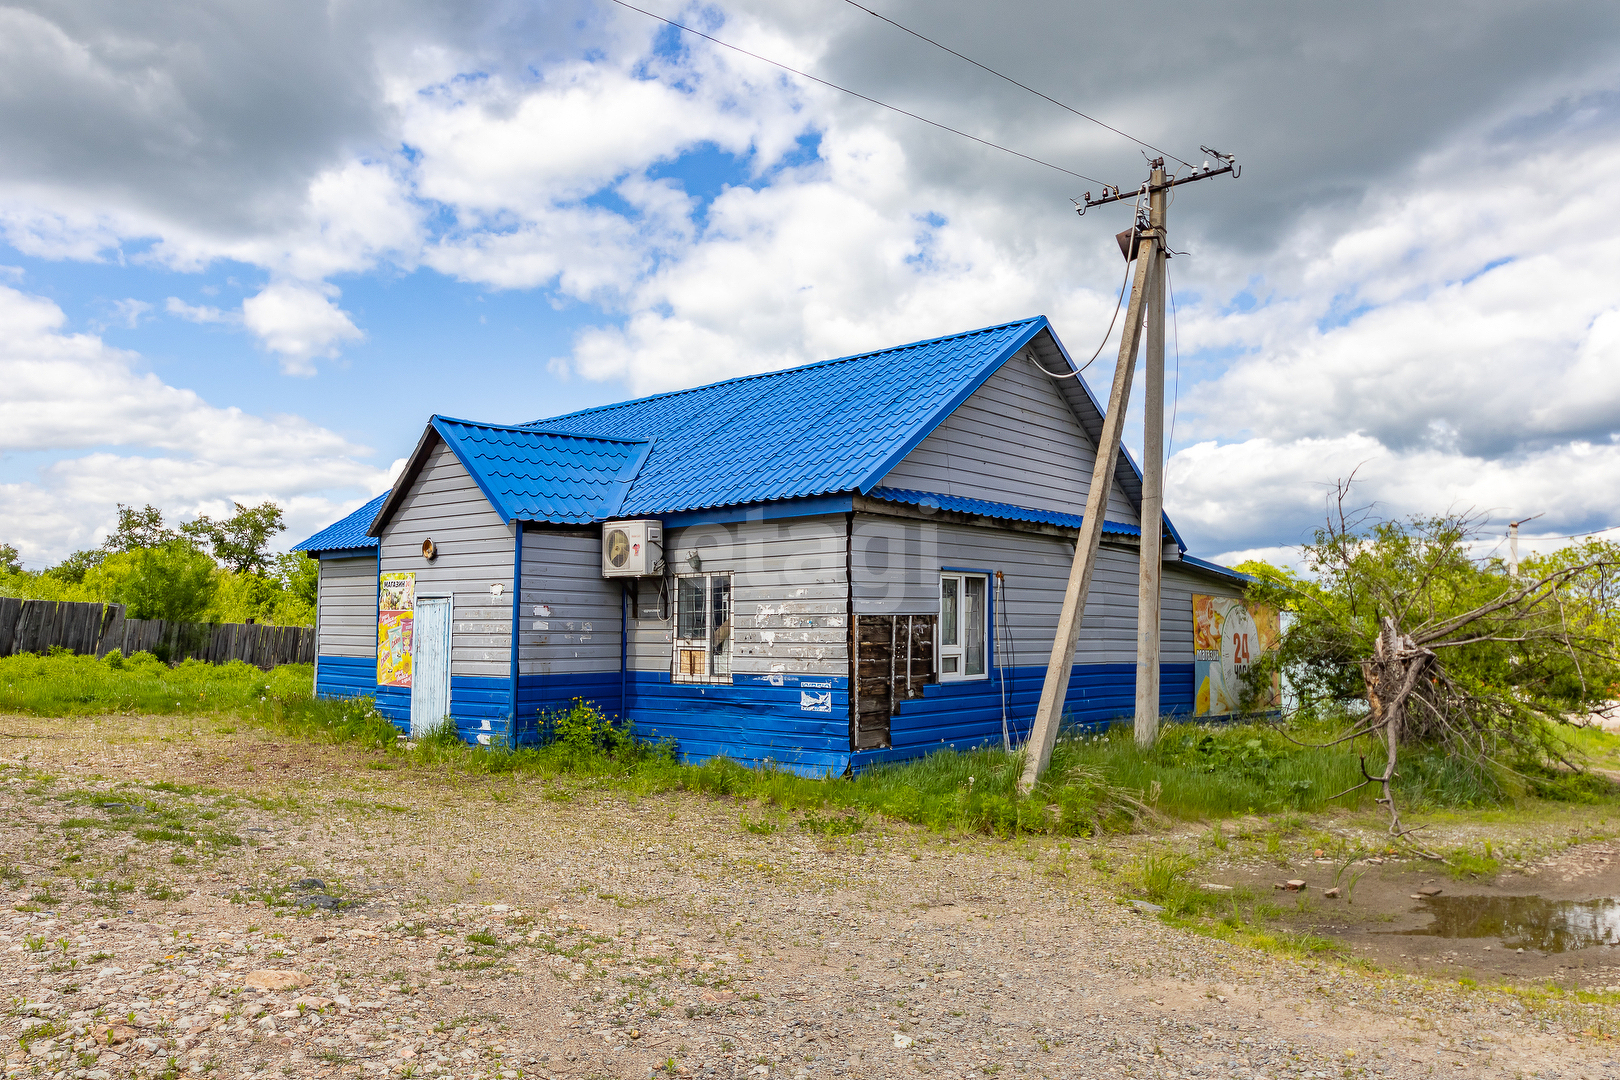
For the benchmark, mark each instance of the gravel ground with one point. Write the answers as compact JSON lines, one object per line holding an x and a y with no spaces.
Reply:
{"x":168,"y":909}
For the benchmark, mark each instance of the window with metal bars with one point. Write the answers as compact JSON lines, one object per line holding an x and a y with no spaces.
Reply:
{"x":702,"y":638}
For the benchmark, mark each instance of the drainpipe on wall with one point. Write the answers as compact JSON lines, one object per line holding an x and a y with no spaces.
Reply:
{"x":624,"y":649}
{"x":517,"y":602}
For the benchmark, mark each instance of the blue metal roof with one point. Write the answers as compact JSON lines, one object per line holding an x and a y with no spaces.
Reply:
{"x":1216,"y":568}
{"x":983,"y":508}
{"x":829,"y":428}
{"x":350,"y":533}
{"x":834,"y":426}
{"x":530,"y":474}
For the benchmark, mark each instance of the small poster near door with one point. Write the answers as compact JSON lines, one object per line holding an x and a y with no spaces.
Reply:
{"x":396,"y":615}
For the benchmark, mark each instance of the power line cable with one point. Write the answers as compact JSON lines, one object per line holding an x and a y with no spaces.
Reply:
{"x":1175,"y":401}
{"x":1075,"y":374}
{"x":1015,"y":82}
{"x":856,"y":93}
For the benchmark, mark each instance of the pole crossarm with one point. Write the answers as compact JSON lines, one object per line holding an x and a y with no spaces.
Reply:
{"x":1113,"y":195}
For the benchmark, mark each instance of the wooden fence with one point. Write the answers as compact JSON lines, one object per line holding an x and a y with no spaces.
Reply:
{"x":35,"y":626}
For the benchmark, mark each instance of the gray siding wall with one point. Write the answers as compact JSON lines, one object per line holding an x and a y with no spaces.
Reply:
{"x":474,"y":551}
{"x":346,"y":607}
{"x":569,"y":618}
{"x":1014,"y":440}
{"x":789,"y":595}
{"x":896,"y":565}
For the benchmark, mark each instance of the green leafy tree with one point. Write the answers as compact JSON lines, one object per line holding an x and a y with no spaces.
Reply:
{"x":136,"y":529}
{"x":143,"y":528}
{"x":1399,"y":628}
{"x":174,"y":581}
{"x":300,"y":578}
{"x":10,"y":560}
{"x":240,"y":542}
{"x":72,"y":570}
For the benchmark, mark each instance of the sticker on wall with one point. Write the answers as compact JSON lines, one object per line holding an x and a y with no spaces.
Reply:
{"x":1228,"y":637}
{"x":396,"y":615}
{"x":810,"y":701}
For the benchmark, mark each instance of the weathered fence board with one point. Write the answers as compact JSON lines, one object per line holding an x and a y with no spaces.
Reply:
{"x":36,"y":626}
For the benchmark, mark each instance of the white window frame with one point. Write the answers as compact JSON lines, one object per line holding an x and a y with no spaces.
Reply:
{"x":682,"y":648}
{"x":944,"y":654}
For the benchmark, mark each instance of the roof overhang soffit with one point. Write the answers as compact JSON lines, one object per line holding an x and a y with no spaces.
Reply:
{"x":407,"y":477}
{"x":431,"y":437}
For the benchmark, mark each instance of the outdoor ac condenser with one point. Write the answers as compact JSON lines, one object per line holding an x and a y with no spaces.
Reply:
{"x":632,"y":548}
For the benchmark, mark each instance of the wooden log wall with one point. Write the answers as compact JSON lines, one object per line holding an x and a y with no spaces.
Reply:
{"x":895,"y":660}
{"x":37,"y":626}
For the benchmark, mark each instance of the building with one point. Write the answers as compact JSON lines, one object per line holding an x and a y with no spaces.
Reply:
{"x":862,"y":559}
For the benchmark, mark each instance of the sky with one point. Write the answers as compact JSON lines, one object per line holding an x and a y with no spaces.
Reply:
{"x":247,"y":250}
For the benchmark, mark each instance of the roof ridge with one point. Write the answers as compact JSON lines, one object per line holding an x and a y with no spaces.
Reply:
{"x":527,"y":429}
{"x":597,"y":409}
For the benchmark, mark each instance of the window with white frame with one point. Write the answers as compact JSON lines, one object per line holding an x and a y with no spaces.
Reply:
{"x":963,"y":626}
{"x":702,"y":628}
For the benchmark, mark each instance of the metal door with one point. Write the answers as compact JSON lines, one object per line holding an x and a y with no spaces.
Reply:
{"x":430,"y":664}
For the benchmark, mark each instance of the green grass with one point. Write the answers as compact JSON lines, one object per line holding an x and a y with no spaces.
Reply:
{"x":67,"y":685}
{"x":1096,"y":782}
{"x":1198,"y":771}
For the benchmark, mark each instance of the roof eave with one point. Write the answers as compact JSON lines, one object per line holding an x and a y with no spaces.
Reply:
{"x":402,"y":484}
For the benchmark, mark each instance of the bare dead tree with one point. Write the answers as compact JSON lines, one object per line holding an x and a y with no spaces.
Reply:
{"x":1443,"y":649}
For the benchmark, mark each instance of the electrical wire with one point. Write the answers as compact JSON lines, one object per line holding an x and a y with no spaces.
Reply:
{"x":1012,"y":656}
{"x":1075,"y":374}
{"x":856,"y":93}
{"x":1175,"y":400}
{"x":1015,"y":82}
{"x":1576,"y":536}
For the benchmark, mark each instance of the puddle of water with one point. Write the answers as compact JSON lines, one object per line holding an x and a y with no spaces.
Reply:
{"x":1525,"y":922}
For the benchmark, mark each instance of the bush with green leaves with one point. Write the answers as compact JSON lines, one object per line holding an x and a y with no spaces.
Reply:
{"x":1398,"y":629}
{"x":159,"y":572}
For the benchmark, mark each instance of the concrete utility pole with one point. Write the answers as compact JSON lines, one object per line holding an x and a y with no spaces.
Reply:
{"x":1513,"y":543}
{"x":1056,"y":687}
{"x":1150,"y":558}
{"x":1149,"y":278}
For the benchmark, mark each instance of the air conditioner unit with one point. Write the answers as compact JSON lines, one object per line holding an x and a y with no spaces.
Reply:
{"x":632,"y":548}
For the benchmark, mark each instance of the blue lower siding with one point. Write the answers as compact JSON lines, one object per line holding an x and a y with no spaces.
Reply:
{"x":799,"y":723}
{"x":540,"y":695}
{"x":480,"y":707}
{"x":962,"y":715}
{"x":345,"y":676}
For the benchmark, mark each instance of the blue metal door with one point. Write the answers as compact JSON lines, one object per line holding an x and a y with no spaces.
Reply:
{"x":430,"y":664}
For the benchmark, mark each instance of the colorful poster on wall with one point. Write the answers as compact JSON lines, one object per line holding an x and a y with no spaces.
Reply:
{"x":1228,"y":636}
{"x":396,"y":614}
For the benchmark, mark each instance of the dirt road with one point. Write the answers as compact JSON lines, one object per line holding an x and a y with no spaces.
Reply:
{"x":152,"y":871}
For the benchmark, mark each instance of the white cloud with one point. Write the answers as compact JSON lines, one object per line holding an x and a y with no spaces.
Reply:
{"x":198,"y":313}
{"x":146,"y":442}
{"x":1454,"y":332}
{"x":300,"y":322}
{"x":1461,"y":352}
{"x":129,"y":312}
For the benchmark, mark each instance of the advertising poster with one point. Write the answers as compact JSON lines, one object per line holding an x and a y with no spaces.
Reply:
{"x":1228,"y":636}
{"x":396,"y":612}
